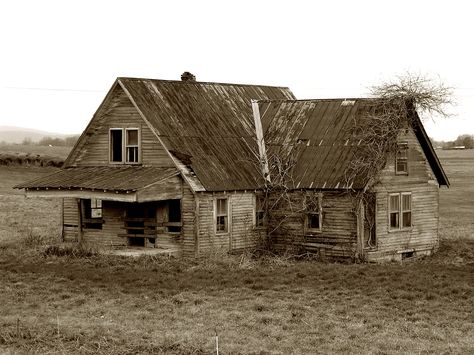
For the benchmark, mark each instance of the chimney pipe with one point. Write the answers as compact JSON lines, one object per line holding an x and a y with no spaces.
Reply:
{"x":187,"y":76}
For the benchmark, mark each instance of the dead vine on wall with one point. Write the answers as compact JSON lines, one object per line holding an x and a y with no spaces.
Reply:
{"x":378,"y":124}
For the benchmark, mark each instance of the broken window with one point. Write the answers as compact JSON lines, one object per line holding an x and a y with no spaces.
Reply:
{"x":259,"y":211}
{"x":401,"y":161}
{"x":400,"y":210}
{"x":313,"y":212}
{"x":222,"y":221}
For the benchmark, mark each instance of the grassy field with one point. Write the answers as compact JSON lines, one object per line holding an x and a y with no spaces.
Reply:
{"x":117,"y":305}
{"x":60,"y":152}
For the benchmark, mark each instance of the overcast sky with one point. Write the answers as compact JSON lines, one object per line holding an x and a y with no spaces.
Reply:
{"x":59,"y":58}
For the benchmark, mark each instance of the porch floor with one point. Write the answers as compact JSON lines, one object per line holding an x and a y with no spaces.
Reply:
{"x":139,"y":251}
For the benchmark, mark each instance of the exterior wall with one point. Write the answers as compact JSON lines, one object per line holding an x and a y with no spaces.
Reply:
{"x":70,"y":219}
{"x":112,"y":214}
{"x":422,"y":237}
{"x":241,"y":230}
{"x":188,"y":218}
{"x":338,"y":234}
{"x":118,"y":112}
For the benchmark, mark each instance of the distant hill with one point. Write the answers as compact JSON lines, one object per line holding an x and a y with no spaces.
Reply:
{"x":12,"y":134}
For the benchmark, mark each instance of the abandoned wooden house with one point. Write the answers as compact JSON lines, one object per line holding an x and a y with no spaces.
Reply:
{"x":185,"y":165}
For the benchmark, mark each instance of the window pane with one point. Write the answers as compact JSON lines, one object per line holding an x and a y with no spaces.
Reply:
{"x":222,"y":206}
{"x":394,"y":220}
{"x":132,"y":137}
{"x":313,"y":220}
{"x":221,"y":224}
{"x":312,"y":203}
{"x":402,"y":153}
{"x":406,"y":219}
{"x":394,"y":203}
{"x":402,"y":166}
{"x":96,"y":213}
{"x":406,"y":202}
{"x":116,"y":145}
{"x":132,"y":154}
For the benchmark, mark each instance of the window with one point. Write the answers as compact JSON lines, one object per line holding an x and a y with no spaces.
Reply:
{"x":313,"y":212}
{"x":92,"y":212}
{"x":131,"y":145}
{"x":401,"y":161}
{"x":400,"y":210}
{"x":222,"y":220}
{"x":259,"y":211}
{"x":96,"y":208}
{"x":124,"y":147}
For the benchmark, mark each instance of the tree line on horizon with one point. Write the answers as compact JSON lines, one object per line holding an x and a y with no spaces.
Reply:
{"x":463,"y":140}
{"x":50,"y":141}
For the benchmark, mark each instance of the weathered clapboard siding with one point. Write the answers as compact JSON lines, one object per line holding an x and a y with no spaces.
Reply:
{"x":70,"y":219}
{"x":112,"y":214}
{"x":188,"y":219}
{"x":338,"y":235}
{"x":118,"y":112}
{"x":168,"y":189}
{"x":422,"y":237}
{"x":241,"y":231}
{"x":243,"y":221}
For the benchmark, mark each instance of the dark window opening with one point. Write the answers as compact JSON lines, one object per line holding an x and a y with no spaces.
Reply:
{"x":174,"y":215}
{"x":313,"y":221}
{"x":136,"y":242}
{"x":92,"y":214}
{"x":116,"y":141}
{"x":408,"y":254}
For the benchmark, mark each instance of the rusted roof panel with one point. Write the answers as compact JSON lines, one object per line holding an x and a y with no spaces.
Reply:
{"x":318,"y":132}
{"x":129,"y":178}
{"x":211,"y":124}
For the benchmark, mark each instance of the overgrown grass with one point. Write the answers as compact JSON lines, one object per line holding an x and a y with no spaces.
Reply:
{"x":57,"y":299}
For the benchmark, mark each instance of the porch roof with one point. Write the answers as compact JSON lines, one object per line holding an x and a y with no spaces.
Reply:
{"x":118,"y":179}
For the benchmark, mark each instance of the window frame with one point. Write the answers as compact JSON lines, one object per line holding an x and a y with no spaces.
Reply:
{"x":308,"y":213}
{"x":400,"y":211}
{"x":125,"y":146}
{"x":217,"y":215}
{"x":401,"y":147}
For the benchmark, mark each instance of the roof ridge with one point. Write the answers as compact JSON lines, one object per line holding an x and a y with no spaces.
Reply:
{"x":319,"y":100}
{"x":201,"y":82}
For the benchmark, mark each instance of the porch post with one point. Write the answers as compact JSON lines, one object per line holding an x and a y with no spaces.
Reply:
{"x":79,"y":220}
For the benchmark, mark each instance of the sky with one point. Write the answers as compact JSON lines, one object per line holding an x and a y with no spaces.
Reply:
{"x":59,"y":58}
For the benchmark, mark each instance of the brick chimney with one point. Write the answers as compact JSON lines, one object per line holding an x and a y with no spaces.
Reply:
{"x":187,"y":76}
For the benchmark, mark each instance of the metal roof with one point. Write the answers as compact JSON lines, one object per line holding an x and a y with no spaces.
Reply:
{"x":318,"y":133}
{"x":211,"y":124}
{"x":130,"y":178}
